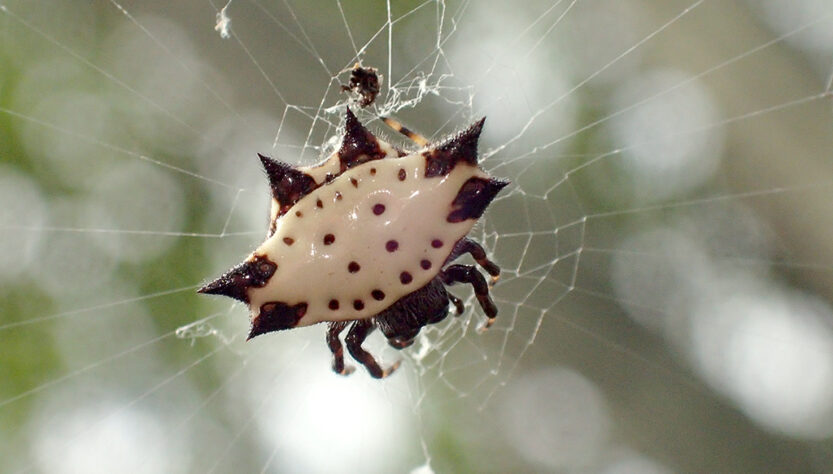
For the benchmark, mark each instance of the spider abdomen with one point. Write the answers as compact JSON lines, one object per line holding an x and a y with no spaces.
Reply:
{"x":364,"y":240}
{"x":364,"y":237}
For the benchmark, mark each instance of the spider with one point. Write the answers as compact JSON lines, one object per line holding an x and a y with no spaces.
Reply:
{"x":366,"y":239}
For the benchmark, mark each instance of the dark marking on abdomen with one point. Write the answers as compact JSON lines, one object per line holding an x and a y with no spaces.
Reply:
{"x":359,"y":145}
{"x":275,"y":316}
{"x":473,"y":198}
{"x":440,"y":160}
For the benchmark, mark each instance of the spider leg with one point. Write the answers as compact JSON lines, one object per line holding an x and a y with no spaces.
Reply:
{"x":399,"y":344}
{"x":458,"y":304}
{"x":413,"y":136}
{"x":466,"y":245}
{"x":358,"y":333}
{"x":469,"y":274}
{"x":333,"y":330}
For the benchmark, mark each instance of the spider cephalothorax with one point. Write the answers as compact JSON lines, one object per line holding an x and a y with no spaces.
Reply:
{"x":364,"y":238}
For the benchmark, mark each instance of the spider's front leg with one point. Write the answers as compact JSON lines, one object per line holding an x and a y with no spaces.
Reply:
{"x":413,"y":136}
{"x":468,"y":274}
{"x":355,"y":337}
{"x":333,"y":331}
{"x":466,"y":245}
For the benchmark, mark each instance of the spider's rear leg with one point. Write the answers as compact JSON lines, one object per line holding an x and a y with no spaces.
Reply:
{"x":469,"y":274}
{"x":333,"y":331}
{"x":466,"y":245}
{"x":358,"y":333}
{"x":415,"y":137}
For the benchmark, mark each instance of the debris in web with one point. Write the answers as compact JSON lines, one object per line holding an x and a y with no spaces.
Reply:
{"x":364,"y":85}
{"x":198,"y":330}
{"x":223,"y":22}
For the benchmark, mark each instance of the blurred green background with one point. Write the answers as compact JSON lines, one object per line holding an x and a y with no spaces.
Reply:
{"x":666,"y":240}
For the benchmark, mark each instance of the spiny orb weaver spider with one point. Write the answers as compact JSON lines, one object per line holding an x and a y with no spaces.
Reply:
{"x":364,"y":238}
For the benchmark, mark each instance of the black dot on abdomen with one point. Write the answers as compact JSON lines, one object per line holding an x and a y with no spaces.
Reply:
{"x":333,"y":305}
{"x":353,"y":267}
{"x":391,"y":245}
{"x":425,"y":264}
{"x":405,"y":278}
{"x":436,"y":243}
{"x":358,"y":305}
{"x":329,"y":239}
{"x":377,"y":295}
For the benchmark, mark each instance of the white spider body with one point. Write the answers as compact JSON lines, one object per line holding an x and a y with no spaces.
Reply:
{"x":364,"y":239}
{"x":414,"y":215}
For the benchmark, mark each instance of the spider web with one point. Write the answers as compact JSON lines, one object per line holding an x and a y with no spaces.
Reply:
{"x":665,"y":242}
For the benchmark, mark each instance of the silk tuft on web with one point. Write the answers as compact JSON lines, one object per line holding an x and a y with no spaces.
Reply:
{"x":664,"y":244}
